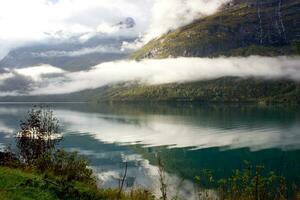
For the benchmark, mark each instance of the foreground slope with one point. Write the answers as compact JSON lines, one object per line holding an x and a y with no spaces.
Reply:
{"x":17,"y":184}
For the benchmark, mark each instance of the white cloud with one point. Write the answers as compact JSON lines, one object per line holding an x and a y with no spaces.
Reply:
{"x":171,"y":14}
{"x":24,"y":22}
{"x":19,"y":81}
{"x":5,"y":76}
{"x":79,"y":52}
{"x":107,"y":28}
{"x":47,"y":79}
{"x":37,"y":72}
{"x":34,"y":17}
{"x":172,"y":70}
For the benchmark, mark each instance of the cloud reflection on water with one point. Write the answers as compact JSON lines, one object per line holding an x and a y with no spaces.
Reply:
{"x":173,"y":131}
{"x":102,"y":133}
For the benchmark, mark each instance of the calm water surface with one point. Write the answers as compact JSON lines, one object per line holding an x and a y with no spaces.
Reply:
{"x":188,"y":137}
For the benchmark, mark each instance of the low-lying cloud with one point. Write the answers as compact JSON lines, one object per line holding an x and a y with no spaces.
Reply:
{"x":79,"y":52}
{"x":23,"y":81}
{"x":51,"y":80}
{"x":171,"y":14}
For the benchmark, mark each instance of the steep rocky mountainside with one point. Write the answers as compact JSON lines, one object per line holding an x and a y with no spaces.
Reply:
{"x":241,"y":28}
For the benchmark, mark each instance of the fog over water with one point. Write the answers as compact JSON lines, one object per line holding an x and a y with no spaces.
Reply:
{"x":47,"y":79}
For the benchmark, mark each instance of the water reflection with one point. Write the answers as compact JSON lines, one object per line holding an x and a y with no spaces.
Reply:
{"x":188,"y":137}
{"x":197,"y":127}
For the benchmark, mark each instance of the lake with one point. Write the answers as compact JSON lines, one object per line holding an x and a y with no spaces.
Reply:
{"x":188,"y":138}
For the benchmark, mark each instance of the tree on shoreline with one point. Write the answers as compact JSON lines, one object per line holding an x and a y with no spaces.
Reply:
{"x":38,"y":136}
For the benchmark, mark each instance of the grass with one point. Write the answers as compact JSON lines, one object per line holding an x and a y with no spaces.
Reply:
{"x":17,"y":184}
{"x":13,"y":186}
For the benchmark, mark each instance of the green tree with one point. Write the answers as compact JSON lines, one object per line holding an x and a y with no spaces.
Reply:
{"x":38,"y":135}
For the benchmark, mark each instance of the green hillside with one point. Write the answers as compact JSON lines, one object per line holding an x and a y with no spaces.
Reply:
{"x":227,"y":89}
{"x":245,"y":27}
{"x":241,"y":28}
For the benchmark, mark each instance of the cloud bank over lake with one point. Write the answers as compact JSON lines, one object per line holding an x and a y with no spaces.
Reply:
{"x":51,"y":80}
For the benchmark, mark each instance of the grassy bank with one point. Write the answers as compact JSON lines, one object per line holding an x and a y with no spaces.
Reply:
{"x":21,"y":184}
{"x":12,"y":185}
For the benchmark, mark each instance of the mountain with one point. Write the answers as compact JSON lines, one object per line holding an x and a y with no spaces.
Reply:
{"x":127,"y":23}
{"x":74,"y":51}
{"x":221,"y":90}
{"x":240,"y":28}
{"x":68,"y":55}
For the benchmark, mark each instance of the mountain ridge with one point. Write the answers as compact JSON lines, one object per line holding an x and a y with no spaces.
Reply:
{"x":241,"y":28}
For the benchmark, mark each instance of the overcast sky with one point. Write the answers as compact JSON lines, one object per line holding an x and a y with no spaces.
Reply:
{"x":28,"y":21}
{"x":23,"y":22}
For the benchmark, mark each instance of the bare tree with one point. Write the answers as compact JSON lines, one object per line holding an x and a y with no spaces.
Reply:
{"x":162,"y":178}
{"x":121,"y":184}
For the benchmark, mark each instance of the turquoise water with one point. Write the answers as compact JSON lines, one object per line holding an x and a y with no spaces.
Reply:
{"x":188,"y":138}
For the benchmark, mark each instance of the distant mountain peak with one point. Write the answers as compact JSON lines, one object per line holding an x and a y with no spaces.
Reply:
{"x":127,"y":23}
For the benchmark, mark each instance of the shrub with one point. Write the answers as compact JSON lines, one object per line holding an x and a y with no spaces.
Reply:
{"x":8,"y":159}
{"x":71,"y":166}
{"x":250,"y":183}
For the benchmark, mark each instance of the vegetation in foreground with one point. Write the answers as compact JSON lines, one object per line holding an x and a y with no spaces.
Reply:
{"x":19,"y":183}
{"x":39,"y":170}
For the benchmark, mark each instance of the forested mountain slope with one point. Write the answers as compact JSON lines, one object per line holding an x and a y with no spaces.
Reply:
{"x":241,"y":28}
{"x":227,"y":89}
